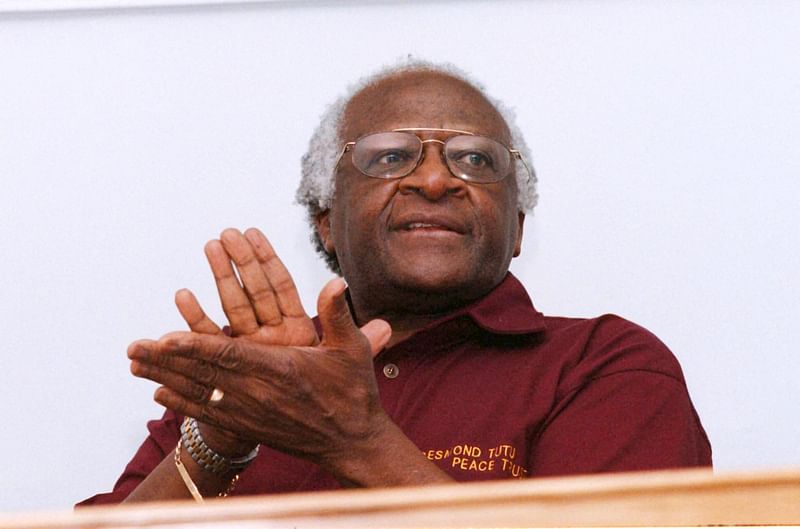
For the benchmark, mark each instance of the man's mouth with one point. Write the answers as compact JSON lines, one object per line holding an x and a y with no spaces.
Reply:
{"x":429,"y":222}
{"x":424,"y":226}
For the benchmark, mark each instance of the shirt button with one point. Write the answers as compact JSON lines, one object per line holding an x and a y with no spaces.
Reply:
{"x":391,"y":371}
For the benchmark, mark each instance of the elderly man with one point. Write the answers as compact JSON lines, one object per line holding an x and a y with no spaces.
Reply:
{"x":431,"y":364}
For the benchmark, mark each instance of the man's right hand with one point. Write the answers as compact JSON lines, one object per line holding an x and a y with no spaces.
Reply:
{"x":264,"y":307}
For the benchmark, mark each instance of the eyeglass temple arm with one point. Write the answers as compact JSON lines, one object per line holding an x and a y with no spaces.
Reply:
{"x":521,"y":158}
{"x":344,"y":150}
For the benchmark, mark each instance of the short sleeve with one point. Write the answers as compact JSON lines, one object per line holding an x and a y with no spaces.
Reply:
{"x":622,"y":406}
{"x":626,"y":421}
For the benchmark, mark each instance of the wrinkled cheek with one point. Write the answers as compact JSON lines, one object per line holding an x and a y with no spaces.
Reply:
{"x":361,"y":243}
{"x":504,"y":236}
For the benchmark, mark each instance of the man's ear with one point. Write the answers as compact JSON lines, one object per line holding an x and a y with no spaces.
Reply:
{"x":323,"y":222}
{"x":518,"y":242}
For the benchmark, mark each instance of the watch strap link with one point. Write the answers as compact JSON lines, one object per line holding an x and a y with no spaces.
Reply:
{"x":204,"y":456}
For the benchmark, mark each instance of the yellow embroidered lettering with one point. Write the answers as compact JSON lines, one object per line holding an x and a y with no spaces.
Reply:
{"x":516,"y":470}
{"x":467,"y":457}
{"x":467,"y":450}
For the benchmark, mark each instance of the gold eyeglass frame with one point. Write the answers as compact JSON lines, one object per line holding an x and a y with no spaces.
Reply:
{"x":513,"y":152}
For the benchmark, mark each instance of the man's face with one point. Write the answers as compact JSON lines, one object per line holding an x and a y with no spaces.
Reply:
{"x":428,"y":234}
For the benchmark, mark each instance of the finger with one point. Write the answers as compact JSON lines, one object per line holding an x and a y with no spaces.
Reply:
{"x":282,"y":283}
{"x":140,"y":349}
{"x":256,"y":285}
{"x":338,"y":328}
{"x":239,"y":355}
{"x":173,"y":400}
{"x":235,"y":302}
{"x":198,"y":371}
{"x":152,"y":351}
{"x":378,"y":333}
{"x":177,"y":382}
{"x":212,"y":415}
{"x":223,"y":415}
{"x":193,"y":314}
{"x":196,"y":379}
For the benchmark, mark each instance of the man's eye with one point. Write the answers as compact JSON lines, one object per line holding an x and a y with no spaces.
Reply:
{"x":390,"y":158}
{"x":475,"y":159}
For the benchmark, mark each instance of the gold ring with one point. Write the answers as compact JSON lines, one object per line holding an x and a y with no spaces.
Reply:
{"x":216,"y":397}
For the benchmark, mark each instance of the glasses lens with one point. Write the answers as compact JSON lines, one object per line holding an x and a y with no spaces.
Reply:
{"x":477,"y":159}
{"x":387,"y":154}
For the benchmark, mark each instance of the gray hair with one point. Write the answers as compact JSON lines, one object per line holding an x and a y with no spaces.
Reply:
{"x":317,"y":185}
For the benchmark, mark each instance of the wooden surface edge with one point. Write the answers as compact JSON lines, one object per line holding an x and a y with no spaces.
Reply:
{"x":739,"y":497}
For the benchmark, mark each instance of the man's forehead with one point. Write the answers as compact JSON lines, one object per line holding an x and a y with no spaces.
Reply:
{"x":421,"y":99}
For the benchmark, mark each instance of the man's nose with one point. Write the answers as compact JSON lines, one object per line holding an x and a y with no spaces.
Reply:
{"x":432,"y":178}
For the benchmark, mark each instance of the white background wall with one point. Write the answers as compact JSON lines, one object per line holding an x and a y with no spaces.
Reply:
{"x":665,"y":137}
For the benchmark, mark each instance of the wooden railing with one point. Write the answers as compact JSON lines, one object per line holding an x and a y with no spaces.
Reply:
{"x":680,"y":497}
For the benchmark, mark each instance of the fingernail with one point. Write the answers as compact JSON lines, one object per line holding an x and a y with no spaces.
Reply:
{"x":136,"y":351}
{"x":135,"y":368}
{"x":159,"y":394}
{"x":340,"y":286}
{"x":386,"y":335}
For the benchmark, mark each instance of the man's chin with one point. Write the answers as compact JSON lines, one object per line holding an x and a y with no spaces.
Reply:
{"x":437,"y":279}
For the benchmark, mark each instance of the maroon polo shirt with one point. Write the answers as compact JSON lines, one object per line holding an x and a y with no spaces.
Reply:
{"x":496,"y":390}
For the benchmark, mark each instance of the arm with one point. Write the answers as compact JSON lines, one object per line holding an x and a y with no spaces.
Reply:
{"x":165,"y":482}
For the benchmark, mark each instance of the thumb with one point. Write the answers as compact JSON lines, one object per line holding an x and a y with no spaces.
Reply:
{"x":338,"y":327}
{"x":378,"y":333}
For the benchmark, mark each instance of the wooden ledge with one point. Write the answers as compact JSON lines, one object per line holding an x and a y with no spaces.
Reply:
{"x":678,"y":497}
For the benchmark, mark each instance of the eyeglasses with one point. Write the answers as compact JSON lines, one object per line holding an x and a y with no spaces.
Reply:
{"x":395,"y":154}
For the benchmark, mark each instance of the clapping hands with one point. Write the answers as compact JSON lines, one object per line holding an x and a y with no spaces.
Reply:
{"x":282,"y":386}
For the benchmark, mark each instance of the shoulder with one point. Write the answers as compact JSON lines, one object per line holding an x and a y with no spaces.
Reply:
{"x":606,"y":345}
